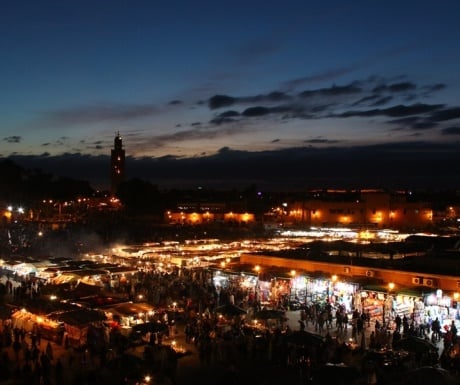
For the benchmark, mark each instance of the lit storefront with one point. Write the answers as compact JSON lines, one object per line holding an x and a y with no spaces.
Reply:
{"x":383,"y":305}
{"x":442,"y":306}
{"x":311,"y":290}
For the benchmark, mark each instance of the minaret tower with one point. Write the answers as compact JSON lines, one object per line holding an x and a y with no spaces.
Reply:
{"x":117,"y":164}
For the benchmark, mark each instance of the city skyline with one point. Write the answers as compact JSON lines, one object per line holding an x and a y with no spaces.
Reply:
{"x":228,"y":94}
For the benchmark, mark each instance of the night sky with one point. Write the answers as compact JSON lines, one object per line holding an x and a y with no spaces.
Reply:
{"x":278,"y":94}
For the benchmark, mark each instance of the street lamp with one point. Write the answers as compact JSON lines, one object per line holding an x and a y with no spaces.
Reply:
{"x":388,"y":302}
{"x":293,"y":284}
{"x":257,"y":270}
{"x":331,"y":287}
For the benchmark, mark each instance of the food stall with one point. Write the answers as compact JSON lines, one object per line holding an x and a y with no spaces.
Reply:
{"x":49,"y":328}
{"x":76,"y":324}
{"x":125,"y":315}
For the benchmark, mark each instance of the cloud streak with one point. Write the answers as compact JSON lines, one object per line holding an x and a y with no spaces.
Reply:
{"x":381,"y":103}
{"x":414,"y":164}
{"x":95,"y":114}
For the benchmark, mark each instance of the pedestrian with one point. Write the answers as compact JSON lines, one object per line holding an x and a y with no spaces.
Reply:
{"x":436,"y":330}
{"x":58,"y":371}
{"x":453,"y":329}
{"x":398,"y":322}
{"x":301,"y":325}
{"x":49,"y":351}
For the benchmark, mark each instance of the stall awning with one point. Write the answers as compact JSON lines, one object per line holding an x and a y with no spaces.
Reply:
{"x":129,"y":308}
{"x":80,"y":317}
{"x":375,"y":287}
{"x":414,"y":291}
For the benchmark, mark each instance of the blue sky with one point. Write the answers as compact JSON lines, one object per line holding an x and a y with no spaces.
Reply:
{"x":233,"y":89}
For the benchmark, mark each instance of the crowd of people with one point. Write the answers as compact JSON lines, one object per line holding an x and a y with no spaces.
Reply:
{"x":235,"y":340}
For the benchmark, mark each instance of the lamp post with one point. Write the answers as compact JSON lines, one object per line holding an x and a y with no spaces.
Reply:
{"x":257,"y":270}
{"x":257,"y":286}
{"x":331,"y":287}
{"x":293,"y":275}
{"x":388,"y":302}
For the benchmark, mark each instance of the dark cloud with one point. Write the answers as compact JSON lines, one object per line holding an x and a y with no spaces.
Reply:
{"x":256,"y":111}
{"x":95,"y":114}
{"x":229,"y":114}
{"x":218,"y":120}
{"x":430,"y":89}
{"x":367,"y":99}
{"x":392,"y":165}
{"x":374,"y":99}
{"x":321,"y":141}
{"x":12,"y":139}
{"x":225,"y":117}
{"x":337,"y":101}
{"x":407,"y":121}
{"x":382,"y":101}
{"x":194,"y":133}
{"x":396,"y":111}
{"x":424,"y":125}
{"x":274,"y":96}
{"x":320,"y":77}
{"x":446,"y":114}
{"x":413,"y":123}
{"x":451,"y":131}
{"x":396,"y":87}
{"x":332,"y":91}
{"x":219,"y":101}
{"x":278,"y":96}
{"x":73,"y":165}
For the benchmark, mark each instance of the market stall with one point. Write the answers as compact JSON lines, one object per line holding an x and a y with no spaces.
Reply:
{"x":48,"y":328}
{"x":125,"y":315}
{"x":76,"y":324}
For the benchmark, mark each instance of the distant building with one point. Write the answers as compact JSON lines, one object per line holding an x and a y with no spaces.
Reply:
{"x":198,"y":213}
{"x":117,"y":164}
{"x":367,"y":208}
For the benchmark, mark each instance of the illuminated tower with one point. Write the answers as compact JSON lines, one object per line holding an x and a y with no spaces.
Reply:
{"x":117,"y":164}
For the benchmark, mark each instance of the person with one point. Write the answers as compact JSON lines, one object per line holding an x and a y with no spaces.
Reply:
{"x":301,"y":324}
{"x":49,"y":351}
{"x":58,"y":371}
{"x":436,"y":329}
{"x":453,"y":329}
{"x":396,"y":338}
{"x":398,"y":322}
{"x":372,"y":340}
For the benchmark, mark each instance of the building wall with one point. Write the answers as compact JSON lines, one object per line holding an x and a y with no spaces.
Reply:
{"x":379,"y":210}
{"x":196,"y":218}
{"x":401,"y":279}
